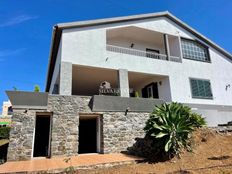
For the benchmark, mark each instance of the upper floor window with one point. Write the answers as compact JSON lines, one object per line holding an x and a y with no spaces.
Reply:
{"x":194,"y":50}
{"x":201,"y":88}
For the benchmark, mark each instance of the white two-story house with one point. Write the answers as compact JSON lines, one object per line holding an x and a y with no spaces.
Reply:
{"x":105,"y":77}
{"x":149,"y":56}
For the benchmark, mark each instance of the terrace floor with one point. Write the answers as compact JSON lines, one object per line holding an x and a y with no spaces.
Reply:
{"x":59,"y":164}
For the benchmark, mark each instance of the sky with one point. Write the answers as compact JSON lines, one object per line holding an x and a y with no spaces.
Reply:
{"x":26,"y":29}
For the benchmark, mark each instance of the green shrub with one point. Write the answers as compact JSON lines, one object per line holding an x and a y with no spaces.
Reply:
{"x":171,"y":126}
{"x":197,"y":120}
{"x":4,"y":132}
{"x":36,"y":88}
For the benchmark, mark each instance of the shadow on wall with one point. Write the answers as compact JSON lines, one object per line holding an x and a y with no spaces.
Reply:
{"x":147,"y":148}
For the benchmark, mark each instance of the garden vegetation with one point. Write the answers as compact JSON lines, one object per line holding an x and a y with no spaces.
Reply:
{"x":171,"y":127}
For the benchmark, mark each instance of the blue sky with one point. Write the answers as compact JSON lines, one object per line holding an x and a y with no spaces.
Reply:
{"x":26,"y":28}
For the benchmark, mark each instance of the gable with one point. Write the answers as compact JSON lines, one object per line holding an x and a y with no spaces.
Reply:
{"x":165,"y":20}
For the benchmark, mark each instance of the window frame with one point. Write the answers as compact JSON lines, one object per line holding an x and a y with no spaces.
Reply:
{"x":200,"y":43}
{"x":201,"y":97}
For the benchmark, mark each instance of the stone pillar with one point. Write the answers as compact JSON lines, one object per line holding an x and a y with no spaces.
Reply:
{"x":123,"y":83}
{"x":167,"y":49}
{"x":65,"y":78}
{"x":21,"y":135}
{"x":65,"y":124}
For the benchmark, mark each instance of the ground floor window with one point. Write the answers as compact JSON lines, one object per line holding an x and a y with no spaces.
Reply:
{"x":201,"y":88}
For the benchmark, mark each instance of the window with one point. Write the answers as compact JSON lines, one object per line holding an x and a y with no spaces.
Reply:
{"x":201,"y":88}
{"x":194,"y":50}
{"x":151,"y":53}
{"x":149,"y":92}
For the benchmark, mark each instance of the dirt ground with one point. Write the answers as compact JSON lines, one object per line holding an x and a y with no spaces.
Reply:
{"x":212,"y":154}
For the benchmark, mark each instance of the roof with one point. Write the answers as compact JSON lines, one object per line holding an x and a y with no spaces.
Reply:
{"x":57,"y":31}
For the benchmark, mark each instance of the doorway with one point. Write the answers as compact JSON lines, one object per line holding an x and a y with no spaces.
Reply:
{"x":42,"y":136}
{"x":89,"y":134}
{"x":151,"y":91}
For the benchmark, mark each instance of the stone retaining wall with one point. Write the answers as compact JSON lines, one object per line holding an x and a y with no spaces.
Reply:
{"x":118,"y":129}
{"x":21,"y":135}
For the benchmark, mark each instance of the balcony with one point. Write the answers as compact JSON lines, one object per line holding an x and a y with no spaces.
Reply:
{"x":142,"y":42}
{"x":141,"y":53}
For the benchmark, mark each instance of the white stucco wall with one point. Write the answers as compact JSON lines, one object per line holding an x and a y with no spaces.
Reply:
{"x":87,"y":46}
{"x":174,"y":46}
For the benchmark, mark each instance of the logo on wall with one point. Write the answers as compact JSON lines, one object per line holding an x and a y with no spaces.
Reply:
{"x":105,"y":89}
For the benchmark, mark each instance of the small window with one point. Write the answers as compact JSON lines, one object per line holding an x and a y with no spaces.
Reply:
{"x":150,"y":91}
{"x":201,"y":89}
{"x":194,"y":50}
{"x":151,"y":53}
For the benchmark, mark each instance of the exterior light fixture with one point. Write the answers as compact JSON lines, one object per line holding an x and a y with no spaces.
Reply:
{"x":127,"y":110}
{"x":227,"y":86}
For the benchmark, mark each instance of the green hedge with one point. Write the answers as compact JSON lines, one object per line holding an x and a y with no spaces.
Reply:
{"x":4,"y":132}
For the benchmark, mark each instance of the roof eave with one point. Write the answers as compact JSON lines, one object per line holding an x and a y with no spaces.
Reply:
{"x":54,"y":42}
{"x":110,"y":20}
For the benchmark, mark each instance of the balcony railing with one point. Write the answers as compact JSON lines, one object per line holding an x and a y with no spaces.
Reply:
{"x":141,"y":53}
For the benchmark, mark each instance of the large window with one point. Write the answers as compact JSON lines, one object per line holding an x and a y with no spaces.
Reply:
{"x":194,"y":50}
{"x":201,"y":88}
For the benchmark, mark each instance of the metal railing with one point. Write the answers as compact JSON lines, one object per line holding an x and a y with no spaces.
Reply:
{"x":140,"y":53}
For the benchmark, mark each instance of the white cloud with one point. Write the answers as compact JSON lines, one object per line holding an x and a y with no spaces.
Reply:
{"x":6,"y":53}
{"x":17,"y":20}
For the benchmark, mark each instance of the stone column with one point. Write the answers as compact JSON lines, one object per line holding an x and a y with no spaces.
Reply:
{"x":21,"y":134}
{"x":65,"y":78}
{"x":123,"y":83}
{"x":167,"y":49}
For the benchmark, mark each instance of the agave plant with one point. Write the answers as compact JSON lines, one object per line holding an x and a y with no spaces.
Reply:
{"x":197,"y":120}
{"x":172,"y":124}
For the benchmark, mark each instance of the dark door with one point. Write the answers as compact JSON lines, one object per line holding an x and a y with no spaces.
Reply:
{"x":151,"y":91}
{"x":88,"y":135}
{"x":42,"y":136}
